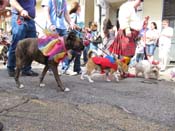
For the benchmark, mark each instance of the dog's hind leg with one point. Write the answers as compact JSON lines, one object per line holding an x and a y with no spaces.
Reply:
{"x":107,"y":77}
{"x":54,"y":69}
{"x":43,"y":75}
{"x":17,"y":73}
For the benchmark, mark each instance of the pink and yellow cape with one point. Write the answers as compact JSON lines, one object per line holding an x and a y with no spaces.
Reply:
{"x":52,"y":46}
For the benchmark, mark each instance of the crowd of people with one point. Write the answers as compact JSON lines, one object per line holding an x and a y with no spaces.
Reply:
{"x":138,"y":41}
{"x":129,"y":38}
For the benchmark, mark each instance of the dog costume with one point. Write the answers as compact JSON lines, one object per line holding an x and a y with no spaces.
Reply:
{"x":52,"y":46}
{"x":105,"y":62}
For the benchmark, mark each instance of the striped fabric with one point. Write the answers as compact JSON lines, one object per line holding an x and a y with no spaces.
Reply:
{"x":52,"y":46}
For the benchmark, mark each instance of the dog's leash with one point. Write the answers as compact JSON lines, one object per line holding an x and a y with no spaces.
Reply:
{"x":44,"y":30}
{"x":29,"y":17}
{"x":106,"y":53}
{"x":36,"y":23}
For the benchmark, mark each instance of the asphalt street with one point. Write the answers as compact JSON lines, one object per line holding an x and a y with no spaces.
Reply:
{"x":132,"y":104}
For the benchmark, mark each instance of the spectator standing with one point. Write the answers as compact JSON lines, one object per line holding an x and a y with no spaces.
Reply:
{"x":109,"y":34}
{"x":151,"y":39}
{"x":95,"y":39}
{"x":140,"y":51}
{"x":165,"y":43}
{"x":56,"y":13}
{"x":86,"y":42}
{"x":75,"y":14}
{"x":142,"y":35}
{"x":23,"y":26}
{"x":124,"y":43}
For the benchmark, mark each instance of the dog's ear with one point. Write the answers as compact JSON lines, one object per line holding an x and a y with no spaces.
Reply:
{"x":81,"y":44}
{"x":68,"y":44}
{"x":71,"y":35}
{"x":70,"y":38}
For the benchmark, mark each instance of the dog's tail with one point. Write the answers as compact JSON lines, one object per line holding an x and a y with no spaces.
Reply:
{"x":90,"y":54}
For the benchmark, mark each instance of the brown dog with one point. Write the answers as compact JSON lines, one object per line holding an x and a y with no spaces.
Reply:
{"x":92,"y":64}
{"x":27,"y":51}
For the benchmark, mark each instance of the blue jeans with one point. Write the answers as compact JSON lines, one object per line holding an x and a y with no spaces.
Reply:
{"x":93,"y":47}
{"x":25,"y":29}
{"x":61,"y":32}
{"x":150,"y":49}
{"x":139,"y":56}
{"x":76,"y":57}
{"x":85,"y":53}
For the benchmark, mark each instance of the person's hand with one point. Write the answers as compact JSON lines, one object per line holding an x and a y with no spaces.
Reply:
{"x":52,"y":28}
{"x":72,"y":25}
{"x":128,"y":32}
{"x":24,"y":13}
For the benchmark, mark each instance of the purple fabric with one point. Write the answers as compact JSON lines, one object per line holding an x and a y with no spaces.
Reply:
{"x":28,"y":5}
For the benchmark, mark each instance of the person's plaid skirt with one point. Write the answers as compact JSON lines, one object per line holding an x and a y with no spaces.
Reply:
{"x":123,"y":45}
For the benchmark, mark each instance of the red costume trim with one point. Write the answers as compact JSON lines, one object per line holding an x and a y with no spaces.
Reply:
{"x":104,"y":63}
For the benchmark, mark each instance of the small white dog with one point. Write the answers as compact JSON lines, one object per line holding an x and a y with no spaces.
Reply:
{"x":147,"y":69}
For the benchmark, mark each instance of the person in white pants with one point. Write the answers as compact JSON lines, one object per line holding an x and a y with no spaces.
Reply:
{"x":165,"y":43}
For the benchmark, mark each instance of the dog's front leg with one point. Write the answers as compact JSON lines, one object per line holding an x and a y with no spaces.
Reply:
{"x":146,"y":75}
{"x":116,"y":77}
{"x":89,"y":76}
{"x":57,"y":77}
{"x":157,"y":75}
{"x":41,"y":84}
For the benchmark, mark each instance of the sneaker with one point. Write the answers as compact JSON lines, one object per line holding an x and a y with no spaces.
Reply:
{"x":29,"y":73}
{"x":70,"y":72}
{"x":11,"y":73}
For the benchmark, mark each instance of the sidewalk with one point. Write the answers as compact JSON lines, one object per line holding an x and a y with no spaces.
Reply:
{"x":166,"y":75}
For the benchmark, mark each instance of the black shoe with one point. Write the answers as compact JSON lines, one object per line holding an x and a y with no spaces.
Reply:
{"x":79,"y":72}
{"x":29,"y":73}
{"x":11,"y":73}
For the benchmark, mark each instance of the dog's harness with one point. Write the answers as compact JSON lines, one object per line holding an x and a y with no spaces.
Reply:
{"x":53,"y":47}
